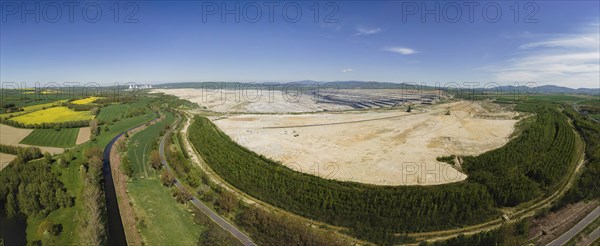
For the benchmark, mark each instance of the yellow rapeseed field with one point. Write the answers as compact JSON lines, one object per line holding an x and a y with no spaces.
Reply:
{"x":28,"y":109}
{"x":85,"y":100}
{"x":53,"y":115}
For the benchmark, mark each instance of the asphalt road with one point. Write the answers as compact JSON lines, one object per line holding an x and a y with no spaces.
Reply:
{"x":564,"y":238}
{"x":205,"y":209}
{"x":593,"y":237}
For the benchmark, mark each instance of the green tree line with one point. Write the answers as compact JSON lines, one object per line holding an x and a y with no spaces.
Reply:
{"x":588,"y":184}
{"x":529,"y":164}
{"x":30,"y":188}
{"x":45,"y":125}
{"x":364,"y":208}
{"x":533,"y":162}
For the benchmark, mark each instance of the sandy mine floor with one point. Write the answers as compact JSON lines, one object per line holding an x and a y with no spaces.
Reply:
{"x":252,"y":101}
{"x":389,"y":147}
{"x":12,"y":136}
{"x":265,"y":101}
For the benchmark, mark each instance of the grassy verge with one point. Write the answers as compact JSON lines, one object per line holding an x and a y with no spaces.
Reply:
{"x":161,"y":220}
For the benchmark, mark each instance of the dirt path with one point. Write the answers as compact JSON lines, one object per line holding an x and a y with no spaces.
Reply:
{"x":120,"y":181}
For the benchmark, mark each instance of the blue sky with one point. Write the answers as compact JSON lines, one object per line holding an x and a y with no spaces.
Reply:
{"x":552,"y":42}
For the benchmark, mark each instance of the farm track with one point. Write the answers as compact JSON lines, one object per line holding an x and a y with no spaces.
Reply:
{"x":239,"y":235}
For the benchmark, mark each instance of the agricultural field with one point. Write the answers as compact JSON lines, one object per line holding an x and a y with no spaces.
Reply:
{"x":63,"y":138}
{"x":86,"y":100}
{"x":141,"y":144}
{"x":112,"y":112}
{"x":32,"y":108}
{"x":162,"y":220}
{"x":69,"y":175}
{"x":84,"y":135}
{"x":13,"y":136}
{"x":53,"y":115}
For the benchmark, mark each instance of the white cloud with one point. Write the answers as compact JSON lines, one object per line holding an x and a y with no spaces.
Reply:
{"x":583,"y":41}
{"x":401,"y":50}
{"x":347,"y":70}
{"x":567,"y":60}
{"x":367,"y":31}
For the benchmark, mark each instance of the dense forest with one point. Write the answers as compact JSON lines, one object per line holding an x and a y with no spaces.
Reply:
{"x":31,"y":188}
{"x":497,"y":178}
{"x":533,"y":162}
{"x":28,"y":187}
{"x":588,"y":184}
{"x":364,"y":208}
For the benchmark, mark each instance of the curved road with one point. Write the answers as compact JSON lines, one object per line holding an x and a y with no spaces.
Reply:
{"x":564,"y":238}
{"x":205,"y":209}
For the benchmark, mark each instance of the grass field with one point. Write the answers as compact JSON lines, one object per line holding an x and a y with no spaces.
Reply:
{"x":85,"y":100}
{"x":66,"y":137}
{"x":53,"y":115}
{"x":121,"y":126}
{"x":111,"y":112}
{"x":63,"y":216}
{"x":510,"y":96}
{"x":140,"y":147}
{"x":162,"y":220}
{"x":117,"y":111}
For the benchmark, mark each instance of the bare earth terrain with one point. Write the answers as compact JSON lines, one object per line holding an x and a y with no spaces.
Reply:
{"x":12,"y":136}
{"x":5,"y":159}
{"x":84,"y":135}
{"x":276,"y":101}
{"x":389,"y":147}
{"x":251,"y":101}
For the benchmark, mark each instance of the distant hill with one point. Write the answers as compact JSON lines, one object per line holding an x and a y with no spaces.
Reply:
{"x":353,"y":84}
{"x":550,"y":89}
